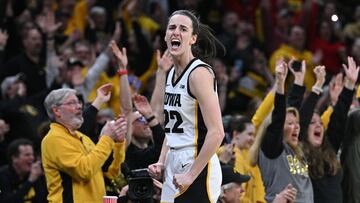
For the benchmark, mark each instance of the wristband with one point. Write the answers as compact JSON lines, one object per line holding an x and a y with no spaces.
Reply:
{"x":150,"y":118}
{"x":121,"y":72}
{"x":317,"y":89}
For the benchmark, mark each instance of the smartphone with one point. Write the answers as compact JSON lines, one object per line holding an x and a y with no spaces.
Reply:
{"x":296,"y":66}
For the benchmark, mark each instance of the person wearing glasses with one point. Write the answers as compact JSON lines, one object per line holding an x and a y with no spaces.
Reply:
{"x":72,"y":162}
{"x":147,"y":135}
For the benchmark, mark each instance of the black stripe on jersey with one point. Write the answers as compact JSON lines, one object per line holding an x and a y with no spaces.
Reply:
{"x":66,"y":183}
{"x":167,"y":75}
{"x":184,"y":71}
{"x":188,"y":81}
{"x":202,"y":130}
{"x":197,"y":191}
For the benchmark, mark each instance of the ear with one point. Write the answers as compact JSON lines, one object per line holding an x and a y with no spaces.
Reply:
{"x":56,"y":111}
{"x":193,"y":39}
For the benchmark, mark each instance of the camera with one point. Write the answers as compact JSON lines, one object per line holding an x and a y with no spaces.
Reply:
{"x":140,"y":183}
{"x":296,"y":66}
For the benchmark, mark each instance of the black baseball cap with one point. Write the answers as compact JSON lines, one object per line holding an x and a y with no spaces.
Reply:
{"x":230,"y":175}
{"x":72,"y":61}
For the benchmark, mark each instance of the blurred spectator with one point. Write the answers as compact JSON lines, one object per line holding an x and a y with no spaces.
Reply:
{"x":138,"y":30}
{"x":242,"y":132}
{"x":231,"y":186}
{"x":211,"y":12}
{"x":4,"y":129}
{"x":158,"y":11}
{"x":228,"y":33}
{"x":13,"y":86}
{"x":31,"y":63}
{"x":26,"y":113}
{"x":350,"y":158}
{"x":23,"y":179}
{"x":3,"y":39}
{"x":275,"y":29}
{"x":296,"y":49}
{"x":249,"y":80}
{"x":355,"y":50}
{"x":222,"y":81}
{"x":328,"y":48}
{"x":352,"y":30}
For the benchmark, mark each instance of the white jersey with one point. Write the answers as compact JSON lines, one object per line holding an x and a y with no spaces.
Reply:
{"x":184,"y":125}
{"x":185,"y":132}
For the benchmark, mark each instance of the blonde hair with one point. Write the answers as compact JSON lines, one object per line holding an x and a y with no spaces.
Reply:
{"x":298,"y":148}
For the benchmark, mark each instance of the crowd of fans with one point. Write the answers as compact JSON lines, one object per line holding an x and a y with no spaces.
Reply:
{"x":51,"y":44}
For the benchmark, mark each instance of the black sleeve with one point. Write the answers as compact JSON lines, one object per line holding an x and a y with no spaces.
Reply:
{"x":140,"y":158}
{"x":336,"y":129}
{"x":158,"y":136}
{"x":296,"y":95}
{"x":90,"y":35}
{"x":10,"y":194}
{"x":271,"y":144}
{"x":306,"y":113}
{"x":89,"y":124}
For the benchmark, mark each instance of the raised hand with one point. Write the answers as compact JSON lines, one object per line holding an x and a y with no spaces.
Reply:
{"x":103,"y":95}
{"x":117,"y":32}
{"x":50,"y":25}
{"x":320,"y":74}
{"x":335,"y":86}
{"x":281,"y":70}
{"x":142,"y":105}
{"x":120,"y":55}
{"x":299,"y":75}
{"x":351,"y":73}
{"x":165,"y":61}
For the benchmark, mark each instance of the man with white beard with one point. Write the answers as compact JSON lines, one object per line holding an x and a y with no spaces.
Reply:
{"x":71,"y":161}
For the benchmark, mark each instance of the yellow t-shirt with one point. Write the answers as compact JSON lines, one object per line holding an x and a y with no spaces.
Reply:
{"x":78,"y":19}
{"x":114,"y":102}
{"x":254,"y":190}
{"x":287,"y":53}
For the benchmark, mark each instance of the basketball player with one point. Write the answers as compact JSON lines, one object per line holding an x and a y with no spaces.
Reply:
{"x":192,"y":115}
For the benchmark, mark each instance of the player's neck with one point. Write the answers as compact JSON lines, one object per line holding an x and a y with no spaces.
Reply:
{"x":181,"y":62}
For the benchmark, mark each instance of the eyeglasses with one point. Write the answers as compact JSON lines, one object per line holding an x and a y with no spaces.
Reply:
{"x":72,"y":103}
{"x":141,"y":120}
